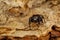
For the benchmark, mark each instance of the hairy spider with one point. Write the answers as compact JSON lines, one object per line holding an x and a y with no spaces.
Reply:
{"x":36,"y":19}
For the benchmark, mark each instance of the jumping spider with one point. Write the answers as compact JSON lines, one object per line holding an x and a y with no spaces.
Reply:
{"x":36,"y":19}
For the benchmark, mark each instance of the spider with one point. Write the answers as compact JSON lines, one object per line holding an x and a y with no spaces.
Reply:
{"x":36,"y":19}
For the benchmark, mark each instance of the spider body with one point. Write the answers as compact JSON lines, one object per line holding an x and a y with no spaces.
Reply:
{"x":36,"y":19}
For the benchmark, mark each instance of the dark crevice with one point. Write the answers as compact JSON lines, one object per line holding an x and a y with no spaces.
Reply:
{"x":55,"y":28}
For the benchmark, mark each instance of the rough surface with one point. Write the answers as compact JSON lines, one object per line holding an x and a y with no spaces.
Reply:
{"x":15,"y":14}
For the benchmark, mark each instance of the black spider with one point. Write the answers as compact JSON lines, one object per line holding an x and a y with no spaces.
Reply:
{"x":36,"y":19}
